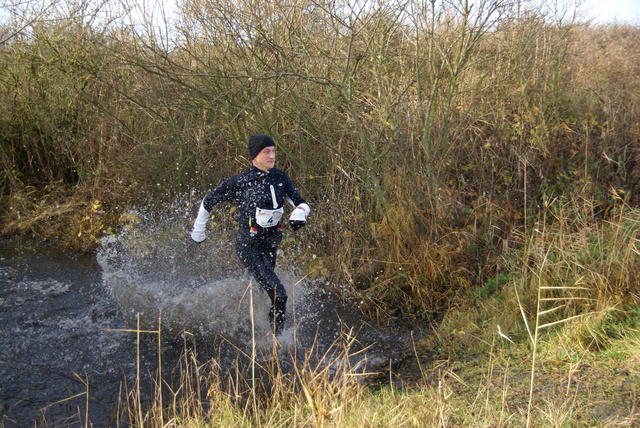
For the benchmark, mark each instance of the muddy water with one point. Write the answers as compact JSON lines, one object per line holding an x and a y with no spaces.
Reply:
{"x":54,"y":316}
{"x":64,"y":319}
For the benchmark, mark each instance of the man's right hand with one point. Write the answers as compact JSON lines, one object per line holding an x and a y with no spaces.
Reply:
{"x":199,"y":226}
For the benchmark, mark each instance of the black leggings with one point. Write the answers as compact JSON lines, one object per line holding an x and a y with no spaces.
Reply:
{"x":258,"y":254}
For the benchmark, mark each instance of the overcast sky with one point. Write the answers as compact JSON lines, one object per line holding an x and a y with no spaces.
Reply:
{"x":609,"y":10}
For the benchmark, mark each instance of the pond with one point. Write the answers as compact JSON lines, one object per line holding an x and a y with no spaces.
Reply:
{"x":68,"y":349}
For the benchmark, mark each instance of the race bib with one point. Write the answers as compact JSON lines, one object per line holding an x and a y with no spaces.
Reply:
{"x":268,"y":218}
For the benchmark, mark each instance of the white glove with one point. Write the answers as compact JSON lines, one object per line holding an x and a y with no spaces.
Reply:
{"x":299,"y":216}
{"x":199,"y":226}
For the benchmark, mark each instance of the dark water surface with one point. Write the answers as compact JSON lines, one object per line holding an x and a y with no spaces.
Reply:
{"x":63,"y":318}
{"x":55,"y":316}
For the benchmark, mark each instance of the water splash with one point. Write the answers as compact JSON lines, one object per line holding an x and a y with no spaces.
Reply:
{"x":157,"y":274}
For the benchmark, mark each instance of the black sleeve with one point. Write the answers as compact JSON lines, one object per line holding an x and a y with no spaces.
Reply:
{"x":225,"y":191}
{"x":293,"y":193}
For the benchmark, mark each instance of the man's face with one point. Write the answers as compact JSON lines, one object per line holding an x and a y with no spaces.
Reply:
{"x":266,"y":159}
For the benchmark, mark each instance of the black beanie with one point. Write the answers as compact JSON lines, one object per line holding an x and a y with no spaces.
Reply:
{"x":258,"y":142}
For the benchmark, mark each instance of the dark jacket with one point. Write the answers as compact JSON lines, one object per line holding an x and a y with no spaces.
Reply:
{"x":251,"y":189}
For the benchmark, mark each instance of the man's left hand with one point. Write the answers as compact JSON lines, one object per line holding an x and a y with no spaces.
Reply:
{"x":297,"y":224}
{"x":299,"y":216}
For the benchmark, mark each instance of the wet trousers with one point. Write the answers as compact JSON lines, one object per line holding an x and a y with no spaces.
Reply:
{"x":258,"y":254}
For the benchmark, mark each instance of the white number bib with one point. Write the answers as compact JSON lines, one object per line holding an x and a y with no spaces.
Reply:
{"x":268,"y":218}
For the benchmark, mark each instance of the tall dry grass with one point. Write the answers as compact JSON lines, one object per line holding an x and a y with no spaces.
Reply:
{"x":492,"y":390}
{"x":574,"y":266}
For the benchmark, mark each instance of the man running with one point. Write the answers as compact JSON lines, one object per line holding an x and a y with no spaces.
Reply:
{"x":260,"y":193}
